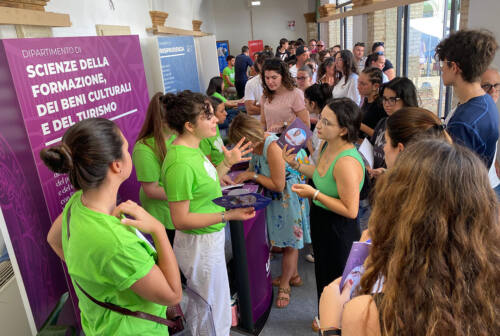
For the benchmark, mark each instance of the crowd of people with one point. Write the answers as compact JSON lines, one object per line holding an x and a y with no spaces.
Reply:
{"x":428,"y":204}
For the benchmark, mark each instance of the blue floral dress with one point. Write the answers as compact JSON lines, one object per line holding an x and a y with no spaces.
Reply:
{"x":287,"y":216}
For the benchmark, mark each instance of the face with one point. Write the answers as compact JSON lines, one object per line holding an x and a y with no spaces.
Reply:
{"x":310,"y":106}
{"x":221,"y":113}
{"x":490,"y":82}
{"x":330,"y":69}
{"x":232,"y":61}
{"x":359,"y":52}
{"x":285,"y":45}
{"x":328,"y":126}
{"x":335,"y":50}
{"x":320,"y":46}
{"x":206,"y":126}
{"x":126,"y":159}
{"x":273,"y":80}
{"x":339,"y":63}
{"x":380,"y":63}
{"x":391,"y":153}
{"x":447,"y":72}
{"x":365,"y":87}
{"x":305,"y":56}
{"x":379,"y":49}
{"x":312,"y":45}
{"x":303,"y":80}
{"x":391,"y":101}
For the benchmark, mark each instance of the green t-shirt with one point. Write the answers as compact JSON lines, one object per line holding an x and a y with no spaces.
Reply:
{"x":218,"y":95}
{"x":148,"y":168}
{"x":230,"y":73}
{"x":106,"y":257}
{"x":213,"y":147}
{"x":187,"y":174}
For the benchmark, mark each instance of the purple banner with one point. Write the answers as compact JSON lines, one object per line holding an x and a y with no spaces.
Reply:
{"x":60,"y":81}
{"x":47,"y":85}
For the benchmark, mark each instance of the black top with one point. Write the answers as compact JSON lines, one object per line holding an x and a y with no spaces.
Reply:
{"x":388,"y":65}
{"x":282,"y":56}
{"x":372,"y":113}
{"x":240,"y":67}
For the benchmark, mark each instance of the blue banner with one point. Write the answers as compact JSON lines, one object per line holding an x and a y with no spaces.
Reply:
{"x":222,"y":53}
{"x":178,"y":63}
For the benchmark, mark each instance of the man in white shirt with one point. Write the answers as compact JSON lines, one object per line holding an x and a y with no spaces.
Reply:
{"x":302,"y":54}
{"x":359,"y":56}
{"x":253,"y":88}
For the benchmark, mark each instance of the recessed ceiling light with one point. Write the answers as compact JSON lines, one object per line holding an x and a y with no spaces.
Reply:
{"x":255,"y":3}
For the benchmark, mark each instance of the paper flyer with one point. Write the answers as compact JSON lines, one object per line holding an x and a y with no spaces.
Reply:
{"x":295,"y":136}
{"x":246,"y":200}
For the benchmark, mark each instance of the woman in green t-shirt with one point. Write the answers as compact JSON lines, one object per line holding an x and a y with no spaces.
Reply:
{"x":215,"y":88}
{"x":105,"y":256}
{"x":149,"y":152}
{"x":192,"y":182}
{"x":212,"y":146}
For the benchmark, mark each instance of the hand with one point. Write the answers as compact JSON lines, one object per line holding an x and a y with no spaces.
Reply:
{"x":241,"y":214}
{"x":365,"y":235}
{"x":303,"y":190}
{"x":289,"y":157}
{"x":142,"y":220}
{"x":332,"y":303}
{"x":244,"y":176}
{"x":374,"y":173}
{"x":226,"y":180}
{"x":237,"y":154}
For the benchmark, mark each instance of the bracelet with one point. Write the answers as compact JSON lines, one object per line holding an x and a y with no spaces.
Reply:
{"x":330,"y":331}
{"x":223,"y":213}
{"x":315,"y":194}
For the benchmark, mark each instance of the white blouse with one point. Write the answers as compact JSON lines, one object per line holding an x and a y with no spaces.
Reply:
{"x":347,"y":90}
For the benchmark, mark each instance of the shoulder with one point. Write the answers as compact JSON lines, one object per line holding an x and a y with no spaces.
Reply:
{"x":297,"y":93}
{"x":361,"y":317}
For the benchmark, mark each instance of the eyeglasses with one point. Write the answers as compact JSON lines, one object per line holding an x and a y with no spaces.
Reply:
{"x":302,"y":78}
{"x":488,"y":87}
{"x":325,"y":121}
{"x":320,"y":45}
{"x":391,"y":101}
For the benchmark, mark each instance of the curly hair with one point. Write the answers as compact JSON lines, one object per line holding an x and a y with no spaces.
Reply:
{"x":435,"y":232}
{"x":472,"y":50}
{"x":277,"y":65}
{"x":184,"y":107}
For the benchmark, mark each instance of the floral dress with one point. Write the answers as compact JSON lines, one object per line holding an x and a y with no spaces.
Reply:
{"x":287,"y":216}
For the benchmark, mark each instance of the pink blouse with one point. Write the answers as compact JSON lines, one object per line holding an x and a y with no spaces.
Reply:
{"x":283,"y":108}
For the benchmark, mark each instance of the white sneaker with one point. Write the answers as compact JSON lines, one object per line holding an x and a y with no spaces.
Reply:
{"x":310,"y":257}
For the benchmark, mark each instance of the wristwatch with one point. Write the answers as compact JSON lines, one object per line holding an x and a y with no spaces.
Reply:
{"x":255,"y":175}
{"x":330,"y":332}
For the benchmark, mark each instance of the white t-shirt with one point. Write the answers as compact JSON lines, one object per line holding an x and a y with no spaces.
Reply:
{"x":253,"y":91}
{"x":293,"y":71}
{"x":347,"y":90}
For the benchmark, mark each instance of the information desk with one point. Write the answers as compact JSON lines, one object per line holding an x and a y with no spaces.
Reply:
{"x":252,"y":273}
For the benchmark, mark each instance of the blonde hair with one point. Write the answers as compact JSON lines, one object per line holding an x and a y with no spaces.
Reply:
{"x":246,"y":126}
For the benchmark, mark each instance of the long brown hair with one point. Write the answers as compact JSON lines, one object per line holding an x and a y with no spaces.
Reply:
{"x":435,"y":233}
{"x":154,"y":126}
{"x":412,"y":123}
{"x":277,"y":65}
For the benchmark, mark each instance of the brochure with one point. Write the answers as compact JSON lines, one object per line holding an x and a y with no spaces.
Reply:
{"x":354,"y":268}
{"x":246,"y":200}
{"x":366,"y":150}
{"x":295,"y":136}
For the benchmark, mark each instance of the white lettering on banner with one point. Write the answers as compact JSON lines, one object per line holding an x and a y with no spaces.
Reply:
{"x":171,"y":50}
{"x":54,"y":68}
{"x":96,"y":112}
{"x":93,"y":63}
{"x":109,"y":92}
{"x":27,"y":53}
{"x":46,"y":89}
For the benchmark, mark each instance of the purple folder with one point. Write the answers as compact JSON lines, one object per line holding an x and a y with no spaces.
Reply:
{"x":295,"y":136}
{"x":354,"y":266}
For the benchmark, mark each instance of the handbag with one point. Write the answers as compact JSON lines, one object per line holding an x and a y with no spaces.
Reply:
{"x":175,"y":318}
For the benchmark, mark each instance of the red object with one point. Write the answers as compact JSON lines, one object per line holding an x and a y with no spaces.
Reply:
{"x":255,"y":46}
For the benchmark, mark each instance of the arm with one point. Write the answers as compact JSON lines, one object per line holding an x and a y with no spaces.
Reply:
{"x":276,"y":182}
{"x":153,"y":190}
{"x":251,"y":108}
{"x":185,"y":220}
{"x":162,"y":284}
{"x":227,"y":80}
{"x":390,"y":73}
{"x":232,"y":103}
{"x":348,"y":174}
{"x":54,"y":237}
{"x":304,"y":116}
{"x":305,"y":169}
{"x":364,"y":128}
{"x":361,"y":317}
{"x":263,"y":116}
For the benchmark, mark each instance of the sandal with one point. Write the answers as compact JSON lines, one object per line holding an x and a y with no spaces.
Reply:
{"x":315,"y":324}
{"x":286,"y":291}
{"x":295,"y":281}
